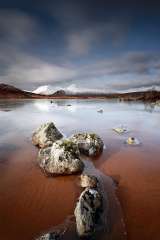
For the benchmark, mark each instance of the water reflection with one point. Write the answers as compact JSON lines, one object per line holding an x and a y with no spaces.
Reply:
{"x":29,"y":201}
{"x":9,"y":105}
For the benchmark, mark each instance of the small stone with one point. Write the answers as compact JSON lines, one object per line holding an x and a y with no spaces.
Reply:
{"x":62,"y":158}
{"x":50,"y":236}
{"x":88,"y":212}
{"x":46,"y":135}
{"x":89,"y":144}
{"x":88,"y":181}
{"x":100,"y":111}
{"x":133,"y":141}
{"x":121,"y":129}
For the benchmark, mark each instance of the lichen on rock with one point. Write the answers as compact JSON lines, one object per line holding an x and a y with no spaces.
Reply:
{"x":62,"y":158}
{"x":46,"y":135}
{"x":49,"y":236}
{"x":88,"y":212}
{"x":89,"y":144}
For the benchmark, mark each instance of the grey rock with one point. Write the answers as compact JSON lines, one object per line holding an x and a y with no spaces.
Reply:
{"x":88,"y":212}
{"x":50,"y":236}
{"x":89,"y":144}
{"x":46,"y":135}
{"x":62,"y":158}
{"x":88,"y":181}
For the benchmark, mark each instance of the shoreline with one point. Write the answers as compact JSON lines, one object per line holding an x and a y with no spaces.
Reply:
{"x":82,"y":98}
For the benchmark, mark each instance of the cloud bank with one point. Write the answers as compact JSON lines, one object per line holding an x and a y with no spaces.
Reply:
{"x":68,"y":43}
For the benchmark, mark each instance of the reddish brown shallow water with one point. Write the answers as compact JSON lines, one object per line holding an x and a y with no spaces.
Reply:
{"x":31,"y":203}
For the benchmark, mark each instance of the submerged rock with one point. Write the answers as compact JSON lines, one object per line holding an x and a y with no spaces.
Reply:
{"x":88,"y":181}
{"x":89,"y":144}
{"x":132,"y":141}
{"x":62,"y":158}
{"x":88,"y":212}
{"x":46,"y":135}
{"x":100,"y":111}
{"x":121,"y":129}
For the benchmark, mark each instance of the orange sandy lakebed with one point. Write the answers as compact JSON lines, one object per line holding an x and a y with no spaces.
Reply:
{"x":32,"y":203}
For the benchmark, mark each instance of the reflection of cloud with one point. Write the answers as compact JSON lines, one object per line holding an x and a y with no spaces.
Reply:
{"x":42,"y":106}
{"x":72,"y":108}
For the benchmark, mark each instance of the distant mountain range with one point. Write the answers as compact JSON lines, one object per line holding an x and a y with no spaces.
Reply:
{"x":11,"y":92}
{"x":8,"y":91}
{"x":73,"y":90}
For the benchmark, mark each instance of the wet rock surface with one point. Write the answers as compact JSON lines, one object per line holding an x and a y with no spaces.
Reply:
{"x":133,"y":141}
{"x":62,"y":158}
{"x":88,"y":212}
{"x":46,"y":135}
{"x":89,"y":144}
{"x":50,"y":236}
{"x":88,"y":181}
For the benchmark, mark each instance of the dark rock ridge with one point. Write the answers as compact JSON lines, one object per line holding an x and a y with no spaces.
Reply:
{"x":59,"y":93}
{"x":8,"y":91}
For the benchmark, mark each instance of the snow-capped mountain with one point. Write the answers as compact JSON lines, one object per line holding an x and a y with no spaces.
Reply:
{"x":73,"y":89}
{"x":143,"y":89}
{"x":45,"y":90}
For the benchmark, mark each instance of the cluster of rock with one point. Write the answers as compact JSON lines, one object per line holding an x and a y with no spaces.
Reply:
{"x":59,"y":155}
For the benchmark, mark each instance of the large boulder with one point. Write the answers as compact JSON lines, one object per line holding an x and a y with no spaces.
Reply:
{"x":89,"y":144}
{"x":46,"y":135}
{"x":62,"y":158}
{"x":88,"y":212}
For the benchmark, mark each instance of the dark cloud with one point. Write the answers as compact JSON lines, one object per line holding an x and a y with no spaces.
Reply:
{"x":106,"y":44}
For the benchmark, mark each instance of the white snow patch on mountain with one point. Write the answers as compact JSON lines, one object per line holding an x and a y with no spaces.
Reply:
{"x":73,"y":89}
{"x":44,"y":90}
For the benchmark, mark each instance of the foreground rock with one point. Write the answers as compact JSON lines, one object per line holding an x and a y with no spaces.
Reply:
{"x":46,"y":135}
{"x":89,"y":144}
{"x":62,"y":158}
{"x":88,"y":212}
{"x":50,"y":236}
{"x":88,"y":181}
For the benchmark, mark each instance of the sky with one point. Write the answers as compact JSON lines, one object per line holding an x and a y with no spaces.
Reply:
{"x":89,"y":44}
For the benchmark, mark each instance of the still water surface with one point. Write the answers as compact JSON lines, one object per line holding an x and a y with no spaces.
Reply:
{"x":31,"y":203}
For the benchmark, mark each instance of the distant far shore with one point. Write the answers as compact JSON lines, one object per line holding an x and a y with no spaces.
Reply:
{"x":10,"y":92}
